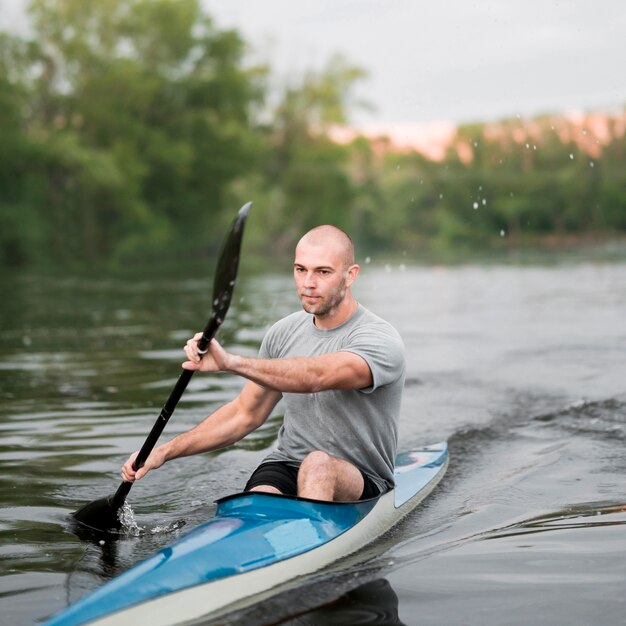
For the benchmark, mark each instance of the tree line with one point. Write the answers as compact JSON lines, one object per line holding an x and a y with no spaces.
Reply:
{"x":132,"y":129}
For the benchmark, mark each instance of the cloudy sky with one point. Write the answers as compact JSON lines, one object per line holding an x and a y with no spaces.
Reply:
{"x":456,"y":60}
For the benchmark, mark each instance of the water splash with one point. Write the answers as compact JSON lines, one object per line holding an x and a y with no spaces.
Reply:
{"x":128,"y":521}
{"x":131,"y":528}
{"x":168,"y":528}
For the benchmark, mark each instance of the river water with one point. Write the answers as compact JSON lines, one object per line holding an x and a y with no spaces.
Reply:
{"x":521,"y":367}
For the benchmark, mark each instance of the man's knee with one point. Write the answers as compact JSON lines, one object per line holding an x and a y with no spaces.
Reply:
{"x":317,"y":461}
{"x":326,"y":477}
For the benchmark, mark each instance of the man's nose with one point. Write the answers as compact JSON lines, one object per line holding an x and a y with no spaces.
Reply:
{"x":309,"y":280}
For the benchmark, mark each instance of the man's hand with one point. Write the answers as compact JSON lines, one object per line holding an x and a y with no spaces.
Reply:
{"x":155,"y":460}
{"x":216,"y":358}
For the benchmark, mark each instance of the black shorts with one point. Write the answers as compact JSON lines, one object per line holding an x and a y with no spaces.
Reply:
{"x":284,"y":477}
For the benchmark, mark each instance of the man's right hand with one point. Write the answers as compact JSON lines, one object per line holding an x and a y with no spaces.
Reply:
{"x":215,"y":359}
{"x":155,"y":460}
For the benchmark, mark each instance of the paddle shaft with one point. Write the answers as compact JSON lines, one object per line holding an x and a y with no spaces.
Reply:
{"x":167,"y":411}
{"x":102,"y":515}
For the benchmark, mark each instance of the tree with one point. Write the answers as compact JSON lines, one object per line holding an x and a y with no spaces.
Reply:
{"x":306,"y":174}
{"x":138,"y":119}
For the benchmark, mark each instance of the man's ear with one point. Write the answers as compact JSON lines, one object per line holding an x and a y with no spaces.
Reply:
{"x":351,"y":274}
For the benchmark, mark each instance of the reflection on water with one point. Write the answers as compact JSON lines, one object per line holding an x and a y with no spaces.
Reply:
{"x":521,"y":369}
{"x":374,"y":603}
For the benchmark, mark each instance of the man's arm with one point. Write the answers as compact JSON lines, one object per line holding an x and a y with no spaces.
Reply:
{"x":338,"y":370}
{"x":226,"y":426}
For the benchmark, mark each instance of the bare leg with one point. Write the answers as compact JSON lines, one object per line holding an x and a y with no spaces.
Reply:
{"x":266,"y":489}
{"x":325,"y":477}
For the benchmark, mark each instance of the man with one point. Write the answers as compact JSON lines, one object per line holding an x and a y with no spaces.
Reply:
{"x":340,"y":372}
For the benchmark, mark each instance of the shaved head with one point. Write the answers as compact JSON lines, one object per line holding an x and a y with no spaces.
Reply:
{"x":324,"y":270}
{"x":329,"y":236}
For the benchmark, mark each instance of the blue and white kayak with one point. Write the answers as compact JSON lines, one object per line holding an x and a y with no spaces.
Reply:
{"x":255,"y":543}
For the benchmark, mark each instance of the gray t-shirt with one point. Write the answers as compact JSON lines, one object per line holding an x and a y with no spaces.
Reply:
{"x":360,"y":426}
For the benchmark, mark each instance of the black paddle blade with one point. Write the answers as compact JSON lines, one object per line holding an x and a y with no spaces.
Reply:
{"x":102,"y":515}
{"x":226,"y":272}
{"x":99,"y":516}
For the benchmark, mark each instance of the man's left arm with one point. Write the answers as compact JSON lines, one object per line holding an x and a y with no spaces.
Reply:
{"x":337,"y":370}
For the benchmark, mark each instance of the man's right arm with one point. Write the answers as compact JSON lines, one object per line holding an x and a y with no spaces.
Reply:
{"x":229,"y":424}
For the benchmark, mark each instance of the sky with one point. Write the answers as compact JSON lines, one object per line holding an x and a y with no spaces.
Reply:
{"x":455,"y":60}
{"x":450,"y":61}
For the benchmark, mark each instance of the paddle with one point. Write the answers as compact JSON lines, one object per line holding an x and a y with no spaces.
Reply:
{"x":102,"y":515}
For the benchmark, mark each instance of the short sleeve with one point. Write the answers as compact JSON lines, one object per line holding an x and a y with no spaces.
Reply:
{"x":265,"y":351}
{"x":381,"y":346}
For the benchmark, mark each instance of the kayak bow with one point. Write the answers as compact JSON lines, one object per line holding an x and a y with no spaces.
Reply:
{"x":255,"y":542}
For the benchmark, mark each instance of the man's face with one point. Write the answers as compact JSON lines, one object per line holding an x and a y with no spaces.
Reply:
{"x":321,"y":278}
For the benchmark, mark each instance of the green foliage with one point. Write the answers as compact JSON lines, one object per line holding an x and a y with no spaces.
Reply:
{"x":132,"y":129}
{"x":134,"y":121}
{"x":305,"y":175}
{"x":521,"y":184}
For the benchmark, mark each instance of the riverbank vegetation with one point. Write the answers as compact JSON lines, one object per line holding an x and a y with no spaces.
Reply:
{"x":132,"y":131}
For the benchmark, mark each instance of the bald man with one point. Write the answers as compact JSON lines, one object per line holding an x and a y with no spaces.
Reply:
{"x":339,"y":370}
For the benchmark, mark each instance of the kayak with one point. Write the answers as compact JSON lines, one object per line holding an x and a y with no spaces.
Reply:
{"x":254,"y":543}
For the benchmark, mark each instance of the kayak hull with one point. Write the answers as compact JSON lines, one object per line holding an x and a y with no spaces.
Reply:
{"x":255,"y":543}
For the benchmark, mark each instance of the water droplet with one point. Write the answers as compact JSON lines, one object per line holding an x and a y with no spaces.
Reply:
{"x":441,"y":196}
{"x":571,"y":156}
{"x":368,"y":260}
{"x":475,"y":205}
{"x":484,"y":202}
{"x":592,"y":164}
{"x":502,"y":233}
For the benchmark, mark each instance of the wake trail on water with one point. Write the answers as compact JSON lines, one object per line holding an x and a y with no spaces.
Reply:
{"x":525,"y":473}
